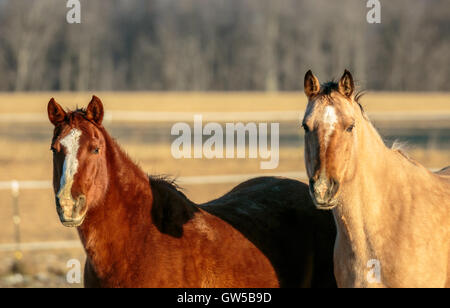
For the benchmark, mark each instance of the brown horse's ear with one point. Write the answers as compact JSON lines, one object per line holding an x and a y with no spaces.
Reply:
{"x":56,"y":113}
{"x":346,"y":84}
{"x":312,"y":85}
{"x":94,"y":111}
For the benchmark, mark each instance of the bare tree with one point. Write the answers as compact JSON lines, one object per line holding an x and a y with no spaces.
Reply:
{"x":222,"y":44}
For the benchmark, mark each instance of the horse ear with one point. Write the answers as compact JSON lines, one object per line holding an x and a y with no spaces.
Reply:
{"x":94,"y":111}
{"x":312,"y":85}
{"x":346,"y":84}
{"x":56,"y":113}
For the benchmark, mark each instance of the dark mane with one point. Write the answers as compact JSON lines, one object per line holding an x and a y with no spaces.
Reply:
{"x":358,"y":96}
{"x":331,"y":86}
{"x":165,"y":180}
{"x":328,"y":87}
{"x":171,"y":208}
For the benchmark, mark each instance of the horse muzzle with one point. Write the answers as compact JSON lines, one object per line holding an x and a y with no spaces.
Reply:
{"x":323,"y":192}
{"x":71,"y":212}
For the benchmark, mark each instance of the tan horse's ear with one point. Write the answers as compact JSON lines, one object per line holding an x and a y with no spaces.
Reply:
{"x":312,"y":85}
{"x":94,"y":111}
{"x":56,"y":113}
{"x":346,"y":84}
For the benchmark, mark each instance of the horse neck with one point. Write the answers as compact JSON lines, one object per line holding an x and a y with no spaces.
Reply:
{"x":127,"y":203}
{"x":366,"y":203}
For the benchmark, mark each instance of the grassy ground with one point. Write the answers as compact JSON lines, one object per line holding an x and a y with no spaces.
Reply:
{"x":206,"y":102}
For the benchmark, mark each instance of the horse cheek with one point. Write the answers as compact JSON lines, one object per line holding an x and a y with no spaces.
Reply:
{"x":350,"y":165}
{"x":98,"y":180}
{"x":87,"y":180}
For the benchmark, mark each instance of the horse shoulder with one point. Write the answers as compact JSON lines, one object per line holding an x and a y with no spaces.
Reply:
{"x":227,"y":257}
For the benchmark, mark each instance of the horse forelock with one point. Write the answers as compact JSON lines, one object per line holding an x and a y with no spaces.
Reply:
{"x":332,"y":86}
{"x":328,"y":87}
{"x":73,"y":119}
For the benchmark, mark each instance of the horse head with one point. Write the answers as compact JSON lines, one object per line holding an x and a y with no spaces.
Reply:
{"x":331,"y":125}
{"x":79,"y":160}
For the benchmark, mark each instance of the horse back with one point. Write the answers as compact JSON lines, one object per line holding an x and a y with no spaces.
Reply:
{"x":279,"y":218}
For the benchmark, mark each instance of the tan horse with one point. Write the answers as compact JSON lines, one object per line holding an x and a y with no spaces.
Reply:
{"x":392,"y":213}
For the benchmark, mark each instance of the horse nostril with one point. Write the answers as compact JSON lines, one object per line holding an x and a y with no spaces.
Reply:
{"x":334,"y":186}
{"x":80,"y":206}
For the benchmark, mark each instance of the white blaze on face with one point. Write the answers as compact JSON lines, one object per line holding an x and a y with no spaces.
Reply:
{"x":71,"y":143}
{"x":329,"y":119}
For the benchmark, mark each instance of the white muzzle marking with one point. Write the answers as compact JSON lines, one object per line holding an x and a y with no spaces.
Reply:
{"x":71,"y":144}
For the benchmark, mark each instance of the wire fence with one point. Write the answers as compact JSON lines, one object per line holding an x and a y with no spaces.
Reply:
{"x":286,"y":115}
{"x":158,"y":117}
{"x":16,"y":186}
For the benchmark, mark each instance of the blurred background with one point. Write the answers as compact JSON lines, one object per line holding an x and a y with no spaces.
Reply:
{"x":157,"y":62}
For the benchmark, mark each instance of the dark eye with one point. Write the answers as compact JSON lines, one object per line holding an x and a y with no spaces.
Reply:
{"x":350,"y":128}
{"x":305,"y":127}
{"x":95,"y":151}
{"x":53,"y":150}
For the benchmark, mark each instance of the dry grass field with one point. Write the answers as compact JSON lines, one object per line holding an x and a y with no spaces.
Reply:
{"x":25,"y":155}
{"x":206,"y":102}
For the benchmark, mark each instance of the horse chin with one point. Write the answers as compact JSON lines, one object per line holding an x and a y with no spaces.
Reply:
{"x":78,"y":214}
{"x":326,"y":206}
{"x":73,"y":223}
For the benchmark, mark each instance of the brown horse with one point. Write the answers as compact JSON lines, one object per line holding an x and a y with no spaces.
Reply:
{"x":141,"y":231}
{"x":392,"y":214}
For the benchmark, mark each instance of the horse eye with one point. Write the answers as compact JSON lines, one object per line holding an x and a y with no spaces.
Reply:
{"x":95,"y":151}
{"x":350,"y":128}
{"x":305,"y":127}
{"x":53,"y":150}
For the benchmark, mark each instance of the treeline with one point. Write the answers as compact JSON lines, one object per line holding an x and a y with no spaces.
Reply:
{"x":222,"y":45}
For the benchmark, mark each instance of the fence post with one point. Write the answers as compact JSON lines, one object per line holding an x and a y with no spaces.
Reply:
{"x":15,"y":188}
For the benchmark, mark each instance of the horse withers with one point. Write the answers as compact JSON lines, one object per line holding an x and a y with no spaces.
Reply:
{"x":141,"y":231}
{"x":392,"y":213}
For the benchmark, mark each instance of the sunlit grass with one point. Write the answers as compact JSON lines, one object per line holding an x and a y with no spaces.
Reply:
{"x":220,"y":102}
